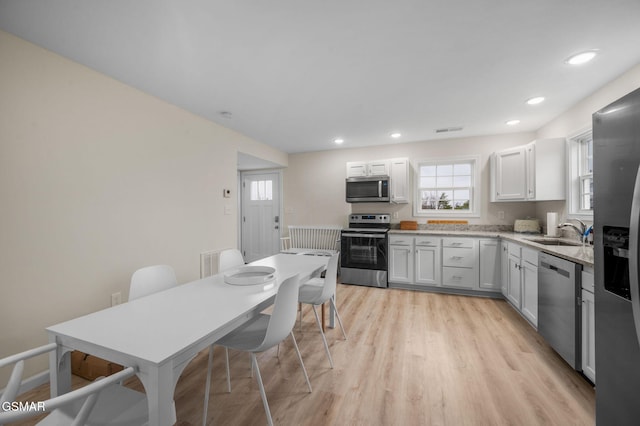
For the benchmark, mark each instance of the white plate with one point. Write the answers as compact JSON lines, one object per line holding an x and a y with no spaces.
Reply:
{"x":250,"y":275}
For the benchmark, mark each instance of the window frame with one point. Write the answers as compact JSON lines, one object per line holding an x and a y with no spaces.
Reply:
{"x":575,"y":178}
{"x":475,"y":188}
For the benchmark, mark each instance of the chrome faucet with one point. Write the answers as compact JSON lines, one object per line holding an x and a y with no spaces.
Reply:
{"x":581,"y":230}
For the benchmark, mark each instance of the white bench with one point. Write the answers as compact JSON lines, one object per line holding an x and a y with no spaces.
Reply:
{"x":320,"y":240}
{"x":310,"y":240}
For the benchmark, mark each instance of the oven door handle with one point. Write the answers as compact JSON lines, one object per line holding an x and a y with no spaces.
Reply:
{"x":380,"y":236}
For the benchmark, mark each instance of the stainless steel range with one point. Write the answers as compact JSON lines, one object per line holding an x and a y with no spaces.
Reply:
{"x":363,"y":254}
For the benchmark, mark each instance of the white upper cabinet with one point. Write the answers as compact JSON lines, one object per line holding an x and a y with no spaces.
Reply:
{"x":378,"y":168}
{"x":368,"y":168}
{"x":510,"y":178}
{"x":532,"y":172}
{"x":551,"y":169}
{"x":399,"y":181}
{"x":356,"y":169}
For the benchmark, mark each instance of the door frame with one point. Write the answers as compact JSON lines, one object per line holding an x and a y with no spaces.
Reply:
{"x":241,"y":175}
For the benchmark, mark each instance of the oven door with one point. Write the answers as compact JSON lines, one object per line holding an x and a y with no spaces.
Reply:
{"x":363,"y":250}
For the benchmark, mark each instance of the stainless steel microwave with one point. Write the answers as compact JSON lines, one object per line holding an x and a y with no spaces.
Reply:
{"x":372,"y":189}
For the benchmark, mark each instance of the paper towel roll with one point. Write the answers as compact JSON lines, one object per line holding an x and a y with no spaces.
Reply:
{"x":552,"y":224}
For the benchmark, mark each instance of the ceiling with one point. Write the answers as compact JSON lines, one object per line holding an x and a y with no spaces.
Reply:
{"x":298,"y":74}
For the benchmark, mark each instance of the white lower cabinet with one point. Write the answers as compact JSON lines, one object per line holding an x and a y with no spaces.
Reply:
{"x":490,"y":265}
{"x":460,"y":263}
{"x":588,"y":326}
{"x":401,"y":259}
{"x":414,"y":260}
{"x":530,"y":291}
{"x":504,"y":268}
{"x":522,"y":285}
{"x":514,"y":284}
{"x":427,"y":261}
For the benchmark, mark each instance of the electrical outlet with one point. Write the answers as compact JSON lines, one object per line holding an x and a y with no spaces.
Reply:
{"x":500,"y":214}
{"x":395,"y":215}
{"x":116,"y":299}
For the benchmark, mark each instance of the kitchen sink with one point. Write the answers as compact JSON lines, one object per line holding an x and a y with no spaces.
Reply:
{"x":549,"y":242}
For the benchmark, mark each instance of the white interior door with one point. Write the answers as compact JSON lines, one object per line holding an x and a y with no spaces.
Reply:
{"x":260,"y":214}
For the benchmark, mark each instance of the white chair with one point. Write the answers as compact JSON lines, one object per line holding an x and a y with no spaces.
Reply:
{"x":150,"y":280}
{"x":229,"y":259}
{"x":261,"y":333}
{"x":102,"y":402}
{"x":317,"y":291}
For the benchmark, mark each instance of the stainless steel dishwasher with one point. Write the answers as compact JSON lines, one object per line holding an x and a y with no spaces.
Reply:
{"x":559,"y":306}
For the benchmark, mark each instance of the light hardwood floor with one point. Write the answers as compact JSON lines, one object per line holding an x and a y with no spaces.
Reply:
{"x":411,"y":358}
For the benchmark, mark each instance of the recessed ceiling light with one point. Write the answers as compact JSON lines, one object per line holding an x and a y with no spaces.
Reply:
{"x":395,"y":135}
{"x":536,"y":100}
{"x":338,"y":141}
{"x":581,"y":58}
{"x":512,"y":122}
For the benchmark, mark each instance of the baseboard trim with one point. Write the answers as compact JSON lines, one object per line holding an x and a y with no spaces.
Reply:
{"x":448,"y":290}
{"x":32,"y":382}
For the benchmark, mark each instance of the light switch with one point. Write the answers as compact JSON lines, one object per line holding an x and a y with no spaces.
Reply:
{"x":226,"y":193}
{"x":227,"y":209}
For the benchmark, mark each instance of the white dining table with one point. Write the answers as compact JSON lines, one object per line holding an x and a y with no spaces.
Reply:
{"x":159,"y":334}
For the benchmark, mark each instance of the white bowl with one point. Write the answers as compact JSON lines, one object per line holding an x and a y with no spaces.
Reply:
{"x":250,"y":275}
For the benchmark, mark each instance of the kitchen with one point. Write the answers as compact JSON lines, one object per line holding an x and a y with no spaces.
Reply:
{"x":313,"y":193}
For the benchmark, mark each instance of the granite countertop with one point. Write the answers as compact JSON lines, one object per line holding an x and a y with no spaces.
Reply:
{"x":577,"y":254}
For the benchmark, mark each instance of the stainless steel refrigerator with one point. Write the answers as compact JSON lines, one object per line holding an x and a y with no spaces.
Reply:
{"x":616,"y":144}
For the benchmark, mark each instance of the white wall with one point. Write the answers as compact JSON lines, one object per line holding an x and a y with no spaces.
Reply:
{"x":98,"y":179}
{"x":314,"y":183}
{"x":578,"y":118}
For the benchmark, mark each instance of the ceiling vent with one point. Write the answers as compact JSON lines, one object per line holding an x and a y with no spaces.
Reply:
{"x":448,"y":129}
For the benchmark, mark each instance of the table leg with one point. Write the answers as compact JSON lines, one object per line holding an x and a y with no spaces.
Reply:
{"x":59,"y":370}
{"x":324,"y":328}
{"x":159,"y":386}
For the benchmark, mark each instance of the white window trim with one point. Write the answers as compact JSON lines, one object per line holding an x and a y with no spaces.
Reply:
{"x":573,"y":179}
{"x":476,"y":188}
